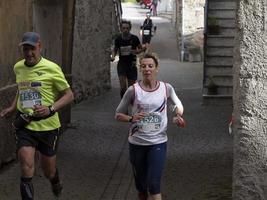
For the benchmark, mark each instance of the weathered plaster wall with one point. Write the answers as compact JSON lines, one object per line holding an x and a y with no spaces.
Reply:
{"x":91,"y":50}
{"x":14,"y":20}
{"x":178,"y":21}
{"x":193,"y":15}
{"x":250,"y":107}
{"x":189,"y":21}
{"x":88,"y":60}
{"x":46,"y":23}
{"x":165,"y":6}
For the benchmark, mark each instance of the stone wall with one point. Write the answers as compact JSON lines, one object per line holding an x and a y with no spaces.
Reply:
{"x":165,"y":6}
{"x":178,"y":23}
{"x":189,"y":22}
{"x":82,"y":52}
{"x":14,"y":20}
{"x":91,"y":50}
{"x":250,"y":108}
{"x":193,"y":30}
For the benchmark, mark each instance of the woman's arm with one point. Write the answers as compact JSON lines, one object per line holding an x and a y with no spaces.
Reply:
{"x":122,"y":109}
{"x":178,"y":106}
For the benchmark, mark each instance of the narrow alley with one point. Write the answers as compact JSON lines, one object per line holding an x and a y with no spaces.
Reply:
{"x":93,"y":154}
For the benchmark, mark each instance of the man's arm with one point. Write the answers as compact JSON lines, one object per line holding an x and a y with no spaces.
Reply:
{"x":141,"y":30}
{"x":115,"y":50}
{"x":114,"y":53}
{"x":44,"y":111}
{"x":66,"y":98}
{"x":139,"y":48}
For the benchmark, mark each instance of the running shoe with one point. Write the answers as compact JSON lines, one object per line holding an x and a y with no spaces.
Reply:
{"x":57,"y":189}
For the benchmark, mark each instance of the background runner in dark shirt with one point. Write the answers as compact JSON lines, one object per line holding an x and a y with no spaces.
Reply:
{"x":147,"y":30}
{"x":127,"y":46}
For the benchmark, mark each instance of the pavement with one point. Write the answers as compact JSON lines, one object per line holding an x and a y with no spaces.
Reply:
{"x":93,"y":154}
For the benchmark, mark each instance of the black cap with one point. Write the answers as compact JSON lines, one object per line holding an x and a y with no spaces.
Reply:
{"x":30,"y":38}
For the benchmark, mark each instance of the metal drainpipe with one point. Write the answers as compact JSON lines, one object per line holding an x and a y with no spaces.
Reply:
{"x":182,"y":45}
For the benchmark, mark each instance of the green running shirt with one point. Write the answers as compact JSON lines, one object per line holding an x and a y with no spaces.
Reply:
{"x":40,"y":84}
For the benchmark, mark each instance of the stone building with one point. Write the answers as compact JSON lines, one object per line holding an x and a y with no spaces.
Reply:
{"x":76,"y":34}
{"x":236,"y":60}
{"x":188,"y":18}
{"x":250,"y":101}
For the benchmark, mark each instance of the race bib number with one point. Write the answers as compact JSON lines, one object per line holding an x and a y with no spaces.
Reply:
{"x":150,"y":123}
{"x":29,"y":98}
{"x":146,"y":32}
{"x":126,"y":50}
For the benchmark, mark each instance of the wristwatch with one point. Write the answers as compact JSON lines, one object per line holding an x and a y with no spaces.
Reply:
{"x":51,"y":109}
{"x":131,"y":119}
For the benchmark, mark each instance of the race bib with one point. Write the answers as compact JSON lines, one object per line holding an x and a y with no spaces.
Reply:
{"x":29,"y":98}
{"x":146,"y":32}
{"x":126,"y":50}
{"x":150,"y":123}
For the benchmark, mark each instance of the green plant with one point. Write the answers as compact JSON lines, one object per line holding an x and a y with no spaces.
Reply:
{"x":212,"y":21}
{"x":212,"y":86}
{"x":213,"y":26}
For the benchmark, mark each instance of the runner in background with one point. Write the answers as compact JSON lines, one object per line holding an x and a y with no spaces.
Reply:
{"x":127,"y":46}
{"x":147,"y":30}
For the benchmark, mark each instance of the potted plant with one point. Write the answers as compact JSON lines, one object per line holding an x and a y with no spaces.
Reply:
{"x":213,"y":26}
{"x":212,"y":87}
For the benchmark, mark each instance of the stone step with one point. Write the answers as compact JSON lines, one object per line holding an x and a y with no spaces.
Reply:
{"x":219,"y":61}
{"x":223,"y":1}
{"x":219,"y":70}
{"x":219,"y":79}
{"x":222,"y":5}
{"x":223,"y":14}
{"x":219,"y":41}
{"x":227,"y":23}
{"x":227,"y":32}
{"x":217,"y":99}
{"x":224,"y":91}
{"x":221,"y":51}
{"x":224,"y":30}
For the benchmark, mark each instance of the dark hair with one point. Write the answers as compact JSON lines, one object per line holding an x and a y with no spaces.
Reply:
{"x":126,"y":22}
{"x":149,"y":55}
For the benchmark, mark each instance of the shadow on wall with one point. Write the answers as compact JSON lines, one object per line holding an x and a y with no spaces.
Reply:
{"x":7,"y":141}
{"x":193,"y":46}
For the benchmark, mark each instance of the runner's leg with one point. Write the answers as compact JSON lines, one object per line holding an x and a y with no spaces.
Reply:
{"x":139,"y":166}
{"x":156,"y":160}
{"x":51,"y":173}
{"x":155,"y":197}
{"x":49,"y":166}
{"x":26,"y":158}
{"x":123,"y":85}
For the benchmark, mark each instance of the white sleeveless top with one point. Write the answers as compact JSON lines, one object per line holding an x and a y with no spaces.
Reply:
{"x":152,"y":128}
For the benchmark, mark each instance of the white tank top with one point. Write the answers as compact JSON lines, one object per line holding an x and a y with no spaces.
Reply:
{"x":152,"y":128}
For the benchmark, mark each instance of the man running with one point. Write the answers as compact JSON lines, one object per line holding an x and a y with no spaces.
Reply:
{"x":127,"y":45}
{"x":147,"y":30}
{"x":42,"y":91}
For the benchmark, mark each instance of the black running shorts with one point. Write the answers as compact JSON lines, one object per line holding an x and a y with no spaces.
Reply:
{"x":146,"y":39}
{"x":44,"y":141}
{"x":128,"y":69}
